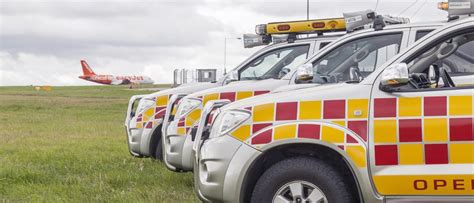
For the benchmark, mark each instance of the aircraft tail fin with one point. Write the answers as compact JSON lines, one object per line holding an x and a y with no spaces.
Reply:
{"x":86,"y":69}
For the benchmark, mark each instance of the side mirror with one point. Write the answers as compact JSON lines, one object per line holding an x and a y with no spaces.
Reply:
{"x":304,"y":73}
{"x":232,"y":76}
{"x":394,"y":76}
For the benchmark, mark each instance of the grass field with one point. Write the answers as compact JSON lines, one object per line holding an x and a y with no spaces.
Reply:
{"x":69,"y":144}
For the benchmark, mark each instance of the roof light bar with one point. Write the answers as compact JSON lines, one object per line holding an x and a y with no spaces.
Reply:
{"x":360,"y":19}
{"x":253,"y":40}
{"x":457,"y":7}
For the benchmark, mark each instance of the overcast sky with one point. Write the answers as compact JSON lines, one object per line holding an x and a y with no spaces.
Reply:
{"x":41,"y":42}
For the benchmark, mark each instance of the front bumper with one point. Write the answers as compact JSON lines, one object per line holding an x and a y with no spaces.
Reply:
{"x":174,"y":145}
{"x":220,"y":167}
{"x":139,"y":138}
{"x":133,"y":134}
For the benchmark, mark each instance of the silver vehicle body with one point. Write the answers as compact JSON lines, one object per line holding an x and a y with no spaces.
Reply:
{"x":140,"y":132}
{"x":223,"y":163}
{"x":178,"y":146}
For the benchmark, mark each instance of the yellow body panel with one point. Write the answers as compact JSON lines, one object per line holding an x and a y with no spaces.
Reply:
{"x":332,"y":135}
{"x":361,"y":105}
{"x":181,"y":131}
{"x":285,"y":132}
{"x":461,"y":153}
{"x":264,"y":112}
{"x":357,"y":154}
{"x":243,"y":95}
{"x":436,"y":130}
{"x":242,"y":133}
{"x":425,"y":184}
{"x":411,"y":154}
{"x":193,"y":117}
{"x":310,"y":110}
{"x":210,"y":97}
{"x":162,"y":100}
{"x":409,"y":106}
{"x":460,"y":105}
{"x":385,"y":131}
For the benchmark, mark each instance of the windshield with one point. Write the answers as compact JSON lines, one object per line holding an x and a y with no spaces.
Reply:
{"x":356,"y":59}
{"x":275,"y":64}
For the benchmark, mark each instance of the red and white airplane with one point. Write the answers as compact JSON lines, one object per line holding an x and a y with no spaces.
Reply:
{"x":89,"y":75}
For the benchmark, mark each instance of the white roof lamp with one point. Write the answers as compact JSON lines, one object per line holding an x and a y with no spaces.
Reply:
{"x":457,"y":8}
{"x":369,"y":19}
{"x":254,"y":40}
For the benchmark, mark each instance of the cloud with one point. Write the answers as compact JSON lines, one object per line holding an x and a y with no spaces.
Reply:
{"x":43,"y":41}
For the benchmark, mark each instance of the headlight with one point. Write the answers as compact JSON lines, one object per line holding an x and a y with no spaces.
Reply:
{"x":186,"y":106}
{"x":227,"y":121}
{"x":145,"y":104}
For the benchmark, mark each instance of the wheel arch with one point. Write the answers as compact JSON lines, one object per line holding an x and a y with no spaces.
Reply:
{"x":155,"y":138}
{"x":280,"y":150}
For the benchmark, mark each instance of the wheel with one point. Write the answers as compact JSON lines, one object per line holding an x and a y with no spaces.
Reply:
{"x":302,"y":179}
{"x":159,"y":151}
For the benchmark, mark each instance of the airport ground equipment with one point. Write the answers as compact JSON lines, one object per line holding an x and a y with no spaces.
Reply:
{"x":402,"y":134}
{"x":145,"y":113}
{"x":348,"y":59}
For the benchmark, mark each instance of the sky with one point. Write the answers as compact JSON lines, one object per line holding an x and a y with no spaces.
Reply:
{"x":42,"y":41}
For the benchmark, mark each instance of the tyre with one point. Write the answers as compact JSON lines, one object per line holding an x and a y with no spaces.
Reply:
{"x":156,"y":147}
{"x":159,"y":151}
{"x":302,"y":179}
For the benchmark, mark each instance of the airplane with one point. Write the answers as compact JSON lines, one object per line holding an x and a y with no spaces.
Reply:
{"x":89,"y":75}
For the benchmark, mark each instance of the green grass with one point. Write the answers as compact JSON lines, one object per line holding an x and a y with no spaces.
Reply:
{"x":69,"y":144}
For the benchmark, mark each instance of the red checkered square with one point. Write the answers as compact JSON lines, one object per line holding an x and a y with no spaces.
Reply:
{"x":263,"y":138}
{"x":386,"y":155}
{"x":286,"y":111}
{"x":461,"y":129}
{"x":159,"y":112}
{"x":360,"y":128}
{"x":385,"y":107}
{"x":341,"y":147}
{"x":334,"y":109}
{"x":434,"y":106}
{"x":228,"y":95}
{"x":436,"y":153}
{"x":257,"y":127}
{"x":410,"y":130}
{"x":149,"y":125}
{"x":181,"y":122}
{"x":260,"y":92}
{"x":309,"y":131}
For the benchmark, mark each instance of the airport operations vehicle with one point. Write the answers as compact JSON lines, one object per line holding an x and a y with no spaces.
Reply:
{"x":402,"y":134}
{"x":89,"y":75}
{"x":349,"y":58}
{"x":144,"y":118}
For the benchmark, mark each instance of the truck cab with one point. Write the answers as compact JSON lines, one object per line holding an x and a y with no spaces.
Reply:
{"x":404,"y":133}
{"x":145,"y":113}
{"x":349,"y":58}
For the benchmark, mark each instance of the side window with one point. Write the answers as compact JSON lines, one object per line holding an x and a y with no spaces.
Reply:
{"x":356,"y":59}
{"x":445,"y":64}
{"x":421,"y":33}
{"x":461,"y":61}
{"x":323,"y":44}
{"x":275,"y":63}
